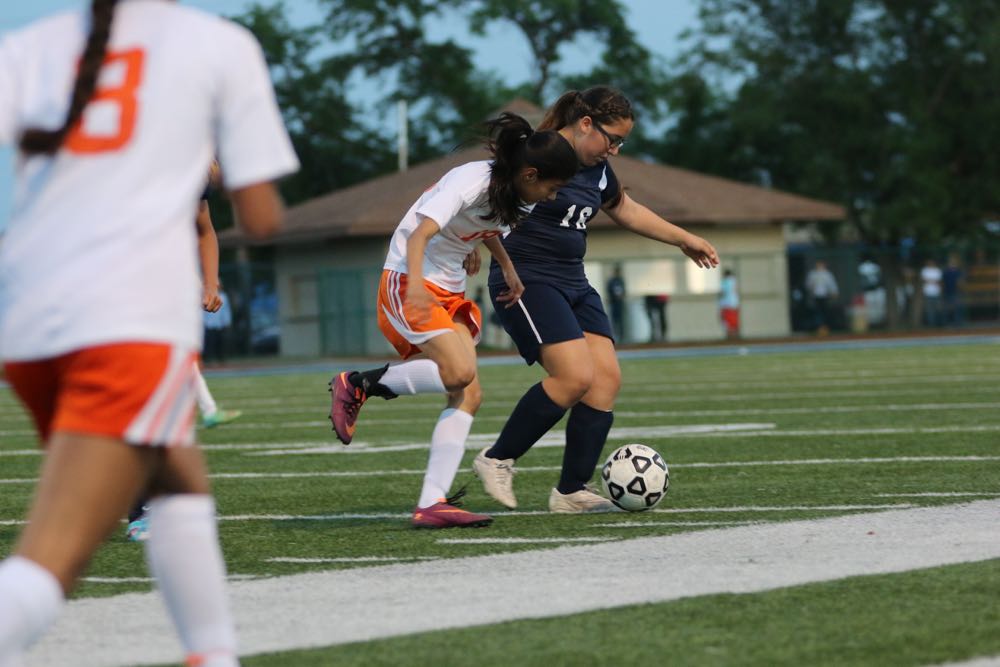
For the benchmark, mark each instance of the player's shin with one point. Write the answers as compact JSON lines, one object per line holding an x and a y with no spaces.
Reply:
{"x":185,"y":558}
{"x":447,"y":447}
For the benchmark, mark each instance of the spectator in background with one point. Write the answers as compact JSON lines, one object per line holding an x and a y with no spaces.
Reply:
{"x":870,"y":274}
{"x":822,"y":289}
{"x":656,"y":311}
{"x":616,"y":299}
{"x":930,"y":281}
{"x":216,"y":324}
{"x":729,"y":304}
{"x":951,"y":291}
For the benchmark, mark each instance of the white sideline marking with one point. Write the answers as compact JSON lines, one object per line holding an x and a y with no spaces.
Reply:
{"x":939,"y":494}
{"x":984,"y":661}
{"x":361,"y":604}
{"x":480,"y":440}
{"x":149,"y":580}
{"x":654,"y":524}
{"x":518,"y":513}
{"x":374,"y":516}
{"x":524,"y":469}
{"x":828,"y":409}
{"x":358,"y":559}
{"x":523,"y":540}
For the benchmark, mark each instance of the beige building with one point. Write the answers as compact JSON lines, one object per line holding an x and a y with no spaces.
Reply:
{"x":329,"y":255}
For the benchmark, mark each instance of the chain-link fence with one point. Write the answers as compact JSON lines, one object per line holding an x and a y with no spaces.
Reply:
{"x":907,"y":288}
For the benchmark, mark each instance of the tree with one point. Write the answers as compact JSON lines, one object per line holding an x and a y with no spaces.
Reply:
{"x":882,"y":105}
{"x":335,"y":148}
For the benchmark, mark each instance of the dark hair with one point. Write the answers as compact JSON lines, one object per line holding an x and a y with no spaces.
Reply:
{"x":36,"y":140}
{"x":514,"y":145}
{"x":604,"y":104}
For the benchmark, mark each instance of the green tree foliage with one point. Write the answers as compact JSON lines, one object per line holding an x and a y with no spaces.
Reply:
{"x":335,"y":148}
{"x":886,"y":106}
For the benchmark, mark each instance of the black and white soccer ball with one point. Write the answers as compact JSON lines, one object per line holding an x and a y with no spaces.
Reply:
{"x":635,"y":477}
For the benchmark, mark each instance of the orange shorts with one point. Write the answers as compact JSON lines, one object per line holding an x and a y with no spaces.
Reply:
{"x":142,"y":393}
{"x":731,"y":318}
{"x":406,"y":336}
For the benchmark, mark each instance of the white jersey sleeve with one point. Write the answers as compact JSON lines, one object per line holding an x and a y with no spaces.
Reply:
{"x":459,"y":189}
{"x":252,"y":142}
{"x":8,"y":91}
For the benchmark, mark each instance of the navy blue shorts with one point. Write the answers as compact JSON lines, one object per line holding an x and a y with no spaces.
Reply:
{"x":548,"y":314}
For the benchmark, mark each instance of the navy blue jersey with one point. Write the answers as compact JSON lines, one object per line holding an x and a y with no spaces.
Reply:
{"x":549,"y":245}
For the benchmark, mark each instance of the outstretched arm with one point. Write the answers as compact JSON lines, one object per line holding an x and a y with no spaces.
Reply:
{"x":635,"y":217}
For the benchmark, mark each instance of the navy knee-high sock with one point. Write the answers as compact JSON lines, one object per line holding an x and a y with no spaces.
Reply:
{"x":586,"y":432}
{"x":532,"y":418}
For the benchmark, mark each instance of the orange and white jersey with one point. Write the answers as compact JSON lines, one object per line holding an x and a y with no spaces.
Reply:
{"x":101,"y":247}
{"x":456,"y":203}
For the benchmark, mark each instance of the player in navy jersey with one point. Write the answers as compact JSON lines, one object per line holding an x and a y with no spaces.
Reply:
{"x":560,"y":321}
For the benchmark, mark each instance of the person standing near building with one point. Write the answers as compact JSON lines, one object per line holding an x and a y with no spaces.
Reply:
{"x":930,"y":281}
{"x":729,"y":305}
{"x":100,"y":318}
{"x":951,"y":290}
{"x":822,"y":289}
{"x":616,"y":300}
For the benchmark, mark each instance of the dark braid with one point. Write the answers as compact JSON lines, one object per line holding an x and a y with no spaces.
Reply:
{"x":603,"y":104}
{"x":35,"y":140}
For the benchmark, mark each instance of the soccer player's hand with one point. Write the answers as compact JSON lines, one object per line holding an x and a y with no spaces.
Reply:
{"x":515,"y":288}
{"x":210,"y":300}
{"x":700,"y":251}
{"x":472,"y":262}
{"x":418,"y":303}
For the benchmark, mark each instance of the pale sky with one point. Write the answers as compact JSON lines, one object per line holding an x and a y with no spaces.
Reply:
{"x":657,"y":24}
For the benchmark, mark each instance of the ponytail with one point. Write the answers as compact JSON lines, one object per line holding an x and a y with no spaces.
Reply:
{"x":514,"y":145}
{"x":603,"y":104}
{"x":35,"y":140}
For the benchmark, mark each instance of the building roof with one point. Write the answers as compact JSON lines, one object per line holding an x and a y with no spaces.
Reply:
{"x":375,"y":207}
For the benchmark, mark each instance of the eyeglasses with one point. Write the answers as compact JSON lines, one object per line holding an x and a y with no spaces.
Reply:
{"x":614,"y":141}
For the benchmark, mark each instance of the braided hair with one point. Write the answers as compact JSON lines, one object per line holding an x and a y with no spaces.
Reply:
{"x":47,"y":142}
{"x":603,"y":104}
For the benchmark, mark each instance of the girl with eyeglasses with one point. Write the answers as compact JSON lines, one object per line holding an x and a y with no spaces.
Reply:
{"x":560,"y":321}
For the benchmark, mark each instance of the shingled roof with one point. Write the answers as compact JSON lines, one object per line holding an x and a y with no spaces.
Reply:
{"x":375,"y":207}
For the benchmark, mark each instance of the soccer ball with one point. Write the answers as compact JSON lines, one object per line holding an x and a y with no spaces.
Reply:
{"x":635,"y":477}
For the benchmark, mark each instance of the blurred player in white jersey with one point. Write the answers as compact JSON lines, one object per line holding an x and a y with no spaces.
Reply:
{"x":421,"y":299}
{"x":100,"y":320}
{"x":212,"y":415}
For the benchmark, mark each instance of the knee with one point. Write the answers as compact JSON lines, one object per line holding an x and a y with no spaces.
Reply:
{"x":609,"y":381}
{"x":472,"y":398}
{"x":575,"y":384}
{"x":458,"y":376}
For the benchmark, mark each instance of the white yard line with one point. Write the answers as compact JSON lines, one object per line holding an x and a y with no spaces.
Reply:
{"x":675,"y":466}
{"x":670,"y":524}
{"x":360,"y":604}
{"x":939,"y":494}
{"x":357,"y":559}
{"x":819,"y":409}
{"x":382,"y":516}
{"x":985,"y":661}
{"x":524,"y":540}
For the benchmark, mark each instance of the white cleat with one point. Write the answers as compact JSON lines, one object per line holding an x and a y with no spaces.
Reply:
{"x":497,"y":476}
{"x":579,"y":502}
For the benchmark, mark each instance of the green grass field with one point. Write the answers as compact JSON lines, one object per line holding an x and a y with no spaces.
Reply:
{"x":754,"y":438}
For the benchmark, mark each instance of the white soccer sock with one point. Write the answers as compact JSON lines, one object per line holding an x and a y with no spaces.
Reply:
{"x":420,"y":376}
{"x":30,"y":600}
{"x":184,"y":556}
{"x":447,"y":447}
{"x":206,"y":403}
